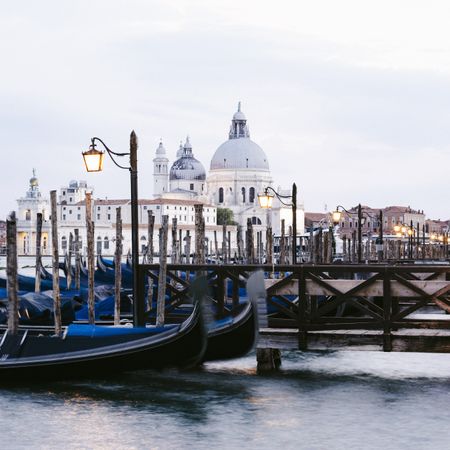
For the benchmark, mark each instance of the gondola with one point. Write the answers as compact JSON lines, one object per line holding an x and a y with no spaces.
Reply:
{"x":232,"y":337}
{"x":93,"y":350}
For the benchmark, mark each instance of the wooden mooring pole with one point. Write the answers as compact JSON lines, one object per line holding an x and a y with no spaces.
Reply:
{"x":90,"y":257}
{"x":161,"y":300}
{"x":11,"y":273}
{"x":55,"y":255}
{"x":69,"y":263}
{"x":150,"y":252}
{"x":37,"y":281}
{"x":118,"y":266}
{"x":77,"y":259}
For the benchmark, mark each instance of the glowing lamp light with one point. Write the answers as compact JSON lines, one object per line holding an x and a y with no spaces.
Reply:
{"x":93,"y":159}
{"x":397,"y":228}
{"x":336,"y":216}
{"x":265,"y":200}
{"x":410,"y":232}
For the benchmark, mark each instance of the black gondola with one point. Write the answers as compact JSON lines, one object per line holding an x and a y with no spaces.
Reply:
{"x":232,"y":337}
{"x":92,"y":350}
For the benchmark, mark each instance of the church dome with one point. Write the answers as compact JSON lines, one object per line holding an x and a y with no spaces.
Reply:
{"x":239,"y":152}
{"x":34,"y":182}
{"x":161,"y":150}
{"x":187,"y":167}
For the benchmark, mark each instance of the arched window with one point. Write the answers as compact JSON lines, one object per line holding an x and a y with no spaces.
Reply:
{"x":99,"y":245}
{"x":64,"y":243}
{"x":106,"y":243}
{"x":256,"y":221}
{"x":243,"y":194}
{"x":220,"y":195}
{"x":28,"y":215}
{"x":251,"y":195}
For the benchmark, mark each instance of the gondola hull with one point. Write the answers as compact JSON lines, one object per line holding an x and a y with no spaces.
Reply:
{"x":235,"y":338}
{"x":37,"y":357}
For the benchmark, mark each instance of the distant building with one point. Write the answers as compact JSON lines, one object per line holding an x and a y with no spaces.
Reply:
{"x":316,"y":220}
{"x":438,"y":227}
{"x":28,"y":206}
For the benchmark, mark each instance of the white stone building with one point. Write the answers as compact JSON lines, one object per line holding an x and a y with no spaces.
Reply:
{"x":239,"y":171}
{"x":28,"y":207}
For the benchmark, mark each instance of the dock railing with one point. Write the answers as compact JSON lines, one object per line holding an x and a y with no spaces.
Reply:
{"x":313,"y":298}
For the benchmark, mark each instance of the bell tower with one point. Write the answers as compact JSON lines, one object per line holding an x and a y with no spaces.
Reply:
{"x":160,"y":172}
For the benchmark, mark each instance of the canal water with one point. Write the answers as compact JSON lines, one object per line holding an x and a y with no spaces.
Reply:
{"x":347,"y":400}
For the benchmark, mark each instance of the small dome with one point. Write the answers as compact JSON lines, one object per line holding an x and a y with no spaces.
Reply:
{"x":160,"y":150}
{"x":239,"y":115}
{"x":240,"y":153}
{"x":187,"y":168}
{"x":34,"y":182}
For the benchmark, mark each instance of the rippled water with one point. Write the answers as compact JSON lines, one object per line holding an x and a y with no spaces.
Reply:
{"x":356,"y":400}
{"x":347,"y":400}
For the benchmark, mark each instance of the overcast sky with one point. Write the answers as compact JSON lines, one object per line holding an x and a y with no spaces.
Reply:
{"x":349,"y":99}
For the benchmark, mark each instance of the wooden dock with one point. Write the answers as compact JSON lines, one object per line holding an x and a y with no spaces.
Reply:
{"x":379,"y":307}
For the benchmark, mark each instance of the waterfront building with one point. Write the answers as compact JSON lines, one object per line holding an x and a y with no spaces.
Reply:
{"x":239,"y":171}
{"x":28,"y":207}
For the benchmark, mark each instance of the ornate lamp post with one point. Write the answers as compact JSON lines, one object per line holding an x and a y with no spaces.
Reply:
{"x":93,"y":160}
{"x":265,"y":201}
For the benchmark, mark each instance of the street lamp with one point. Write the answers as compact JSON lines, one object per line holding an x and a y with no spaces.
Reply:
{"x":93,"y":160}
{"x":336,"y":215}
{"x":265,"y":201}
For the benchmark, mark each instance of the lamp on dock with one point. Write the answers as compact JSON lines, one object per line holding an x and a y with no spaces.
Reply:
{"x":93,"y":160}
{"x":265,"y":201}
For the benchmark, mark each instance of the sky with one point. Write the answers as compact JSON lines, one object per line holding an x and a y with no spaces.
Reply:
{"x":349,"y":99}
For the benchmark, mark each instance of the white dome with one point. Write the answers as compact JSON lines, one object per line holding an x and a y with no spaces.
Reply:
{"x":161,"y":150}
{"x":241,"y":153}
{"x":239,"y":115}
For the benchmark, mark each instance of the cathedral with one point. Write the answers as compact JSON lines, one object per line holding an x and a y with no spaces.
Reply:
{"x":238,"y":172}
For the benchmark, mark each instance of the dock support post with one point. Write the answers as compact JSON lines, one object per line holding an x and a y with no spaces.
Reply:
{"x":387,"y":308}
{"x":268,"y":359}
{"x":302,"y":333}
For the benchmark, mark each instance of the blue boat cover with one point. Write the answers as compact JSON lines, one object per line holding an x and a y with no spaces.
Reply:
{"x":76,"y":329}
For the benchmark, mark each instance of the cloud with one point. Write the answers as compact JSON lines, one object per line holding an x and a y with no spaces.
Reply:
{"x":350,"y":102}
